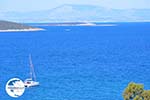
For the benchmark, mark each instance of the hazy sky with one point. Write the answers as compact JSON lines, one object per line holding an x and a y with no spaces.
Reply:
{"x":32,"y":5}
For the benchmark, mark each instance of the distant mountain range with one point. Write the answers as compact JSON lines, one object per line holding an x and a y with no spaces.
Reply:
{"x":79,"y":13}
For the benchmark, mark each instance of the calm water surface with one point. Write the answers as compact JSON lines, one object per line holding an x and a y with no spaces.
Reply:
{"x":77,"y":63}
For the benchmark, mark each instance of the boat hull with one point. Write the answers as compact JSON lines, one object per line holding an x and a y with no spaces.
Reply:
{"x":31,"y":84}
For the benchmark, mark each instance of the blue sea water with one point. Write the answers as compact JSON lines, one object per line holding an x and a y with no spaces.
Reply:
{"x":77,"y":62}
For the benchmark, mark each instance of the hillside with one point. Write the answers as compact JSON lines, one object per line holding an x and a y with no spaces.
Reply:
{"x":5,"y":25}
{"x":12,"y":26}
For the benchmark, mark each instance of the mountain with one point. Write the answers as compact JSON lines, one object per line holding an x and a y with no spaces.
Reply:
{"x":80,"y":13}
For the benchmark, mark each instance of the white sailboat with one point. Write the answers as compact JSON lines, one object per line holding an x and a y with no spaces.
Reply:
{"x":29,"y":82}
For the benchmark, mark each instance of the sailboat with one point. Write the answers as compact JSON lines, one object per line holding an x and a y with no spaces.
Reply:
{"x":30,"y":82}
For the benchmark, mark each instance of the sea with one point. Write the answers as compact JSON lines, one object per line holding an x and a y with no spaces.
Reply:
{"x":77,"y":62}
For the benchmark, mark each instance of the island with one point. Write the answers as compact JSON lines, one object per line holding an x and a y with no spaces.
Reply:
{"x":7,"y":26}
{"x":77,"y":24}
{"x":70,"y":24}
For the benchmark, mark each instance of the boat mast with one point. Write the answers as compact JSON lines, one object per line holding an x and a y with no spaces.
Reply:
{"x":32,"y":73}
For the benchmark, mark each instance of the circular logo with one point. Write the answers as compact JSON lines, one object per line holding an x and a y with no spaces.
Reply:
{"x":15,"y":87}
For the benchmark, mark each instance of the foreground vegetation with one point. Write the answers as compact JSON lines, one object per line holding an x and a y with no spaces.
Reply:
{"x":136,"y":91}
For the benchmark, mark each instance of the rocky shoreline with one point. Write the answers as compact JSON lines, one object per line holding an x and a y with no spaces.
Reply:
{"x":22,"y":30}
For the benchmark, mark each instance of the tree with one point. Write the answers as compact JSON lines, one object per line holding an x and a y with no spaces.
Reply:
{"x":136,"y":91}
{"x":132,"y":91}
{"x":138,"y":98}
{"x":146,"y":95}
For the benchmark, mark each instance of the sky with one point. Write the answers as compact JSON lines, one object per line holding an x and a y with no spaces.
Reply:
{"x":36,"y":5}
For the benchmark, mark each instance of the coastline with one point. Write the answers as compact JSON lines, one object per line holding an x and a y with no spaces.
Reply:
{"x":76,"y":24}
{"x":22,"y":30}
